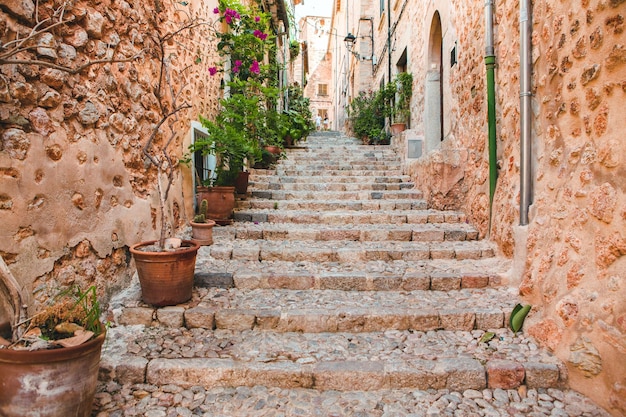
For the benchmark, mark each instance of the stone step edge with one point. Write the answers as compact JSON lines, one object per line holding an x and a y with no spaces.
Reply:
{"x":332,"y":205}
{"x":455,"y":374}
{"x":417,"y":216}
{"x":352,"y":281}
{"x":328,"y":234}
{"x":316,"y":320}
{"x":419,"y":251}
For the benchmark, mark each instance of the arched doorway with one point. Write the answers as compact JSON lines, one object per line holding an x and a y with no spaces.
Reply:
{"x":434,"y":85}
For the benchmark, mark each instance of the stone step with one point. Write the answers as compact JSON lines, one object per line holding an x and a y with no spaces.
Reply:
{"x":438,"y":232}
{"x":323,"y":311}
{"x":259,"y":177}
{"x":341,"y":155}
{"x":328,"y":186}
{"x":337,"y":195}
{"x":344,"y":361}
{"x":290,"y":172}
{"x":347,"y":251}
{"x":435,"y":275}
{"x":345,"y":166}
{"x":336,"y":159}
{"x":390,"y":216}
{"x":331,"y":205}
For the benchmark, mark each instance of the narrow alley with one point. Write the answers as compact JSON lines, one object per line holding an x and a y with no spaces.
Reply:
{"x":336,"y":292}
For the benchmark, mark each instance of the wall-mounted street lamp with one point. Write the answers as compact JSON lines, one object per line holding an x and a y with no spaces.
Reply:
{"x":349,"y":41}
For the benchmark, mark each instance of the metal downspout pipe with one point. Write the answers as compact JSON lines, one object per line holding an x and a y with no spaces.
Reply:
{"x":525,"y":111}
{"x":490,"y":62}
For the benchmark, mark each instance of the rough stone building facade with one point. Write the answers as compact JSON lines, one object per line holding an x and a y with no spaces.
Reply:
{"x":569,"y":260}
{"x":78,"y":103}
{"x":318,"y":72}
{"x":76,"y":190}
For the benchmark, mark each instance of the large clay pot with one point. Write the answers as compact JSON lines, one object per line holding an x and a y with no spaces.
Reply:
{"x":241,"y":182}
{"x":221,"y":201}
{"x":50,"y":383}
{"x":202,"y":233}
{"x":166,"y":278}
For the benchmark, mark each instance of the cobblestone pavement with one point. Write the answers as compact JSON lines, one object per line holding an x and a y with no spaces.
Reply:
{"x":173,"y":401}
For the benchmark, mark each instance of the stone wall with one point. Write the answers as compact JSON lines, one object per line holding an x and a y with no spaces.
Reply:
{"x":576,"y":269}
{"x":76,"y":190}
{"x":570,"y":262}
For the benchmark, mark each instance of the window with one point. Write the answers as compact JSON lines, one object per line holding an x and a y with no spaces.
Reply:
{"x":322,"y":89}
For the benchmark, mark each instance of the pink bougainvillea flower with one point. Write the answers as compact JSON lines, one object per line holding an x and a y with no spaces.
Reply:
{"x":213,"y":71}
{"x":260,"y":34}
{"x":238,"y":63}
{"x":229,"y":19}
{"x":257,"y":18}
{"x":216,"y":10}
{"x":254,"y":68}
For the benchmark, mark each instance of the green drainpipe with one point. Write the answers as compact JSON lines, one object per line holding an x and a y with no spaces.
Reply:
{"x":490,"y":61}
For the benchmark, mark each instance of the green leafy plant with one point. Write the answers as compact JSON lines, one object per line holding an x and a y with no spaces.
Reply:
{"x":397,"y":97}
{"x":294,"y":50}
{"x":518,"y":315}
{"x":367,"y":117}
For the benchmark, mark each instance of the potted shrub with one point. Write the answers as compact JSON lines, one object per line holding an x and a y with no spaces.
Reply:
{"x":232,"y":148}
{"x":56,"y":352}
{"x":201,"y":226}
{"x":398,"y":101}
{"x":367,"y":117}
{"x":296,"y":122}
{"x":166,"y":266}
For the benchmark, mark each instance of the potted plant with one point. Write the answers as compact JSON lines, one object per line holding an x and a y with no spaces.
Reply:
{"x":398,"y":101}
{"x":166,"y":266}
{"x":367,"y":117}
{"x":243,"y":125}
{"x":56,"y":352}
{"x":296,"y":122}
{"x":201,"y":226}
{"x":232,"y":148}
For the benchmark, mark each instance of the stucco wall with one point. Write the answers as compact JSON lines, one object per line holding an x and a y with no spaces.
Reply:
{"x":75,"y":189}
{"x":571,"y":256}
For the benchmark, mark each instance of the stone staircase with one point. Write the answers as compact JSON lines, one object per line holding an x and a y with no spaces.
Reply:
{"x":335,"y":292}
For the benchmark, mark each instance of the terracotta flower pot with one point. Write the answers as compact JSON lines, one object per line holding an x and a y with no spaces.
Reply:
{"x":166,"y":278}
{"x":221,"y":202}
{"x":241,"y":183}
{"x":273,"y":149}
{"x":202,"y":233}
{"x":397,"y":128}
{"x":50,"y":383}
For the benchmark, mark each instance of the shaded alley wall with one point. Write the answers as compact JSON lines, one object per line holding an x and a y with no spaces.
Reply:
{"x":570,"y":262}
{"x":76,"y":190}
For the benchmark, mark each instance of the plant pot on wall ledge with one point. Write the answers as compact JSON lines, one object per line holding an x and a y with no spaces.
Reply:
{"x":166,"y":277}
{"x":50,"y":383}
{"x":397,"y":128}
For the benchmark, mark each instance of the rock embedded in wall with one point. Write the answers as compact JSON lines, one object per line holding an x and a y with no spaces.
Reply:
{"x":604,"y":202}
{"x":585,"y":357}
